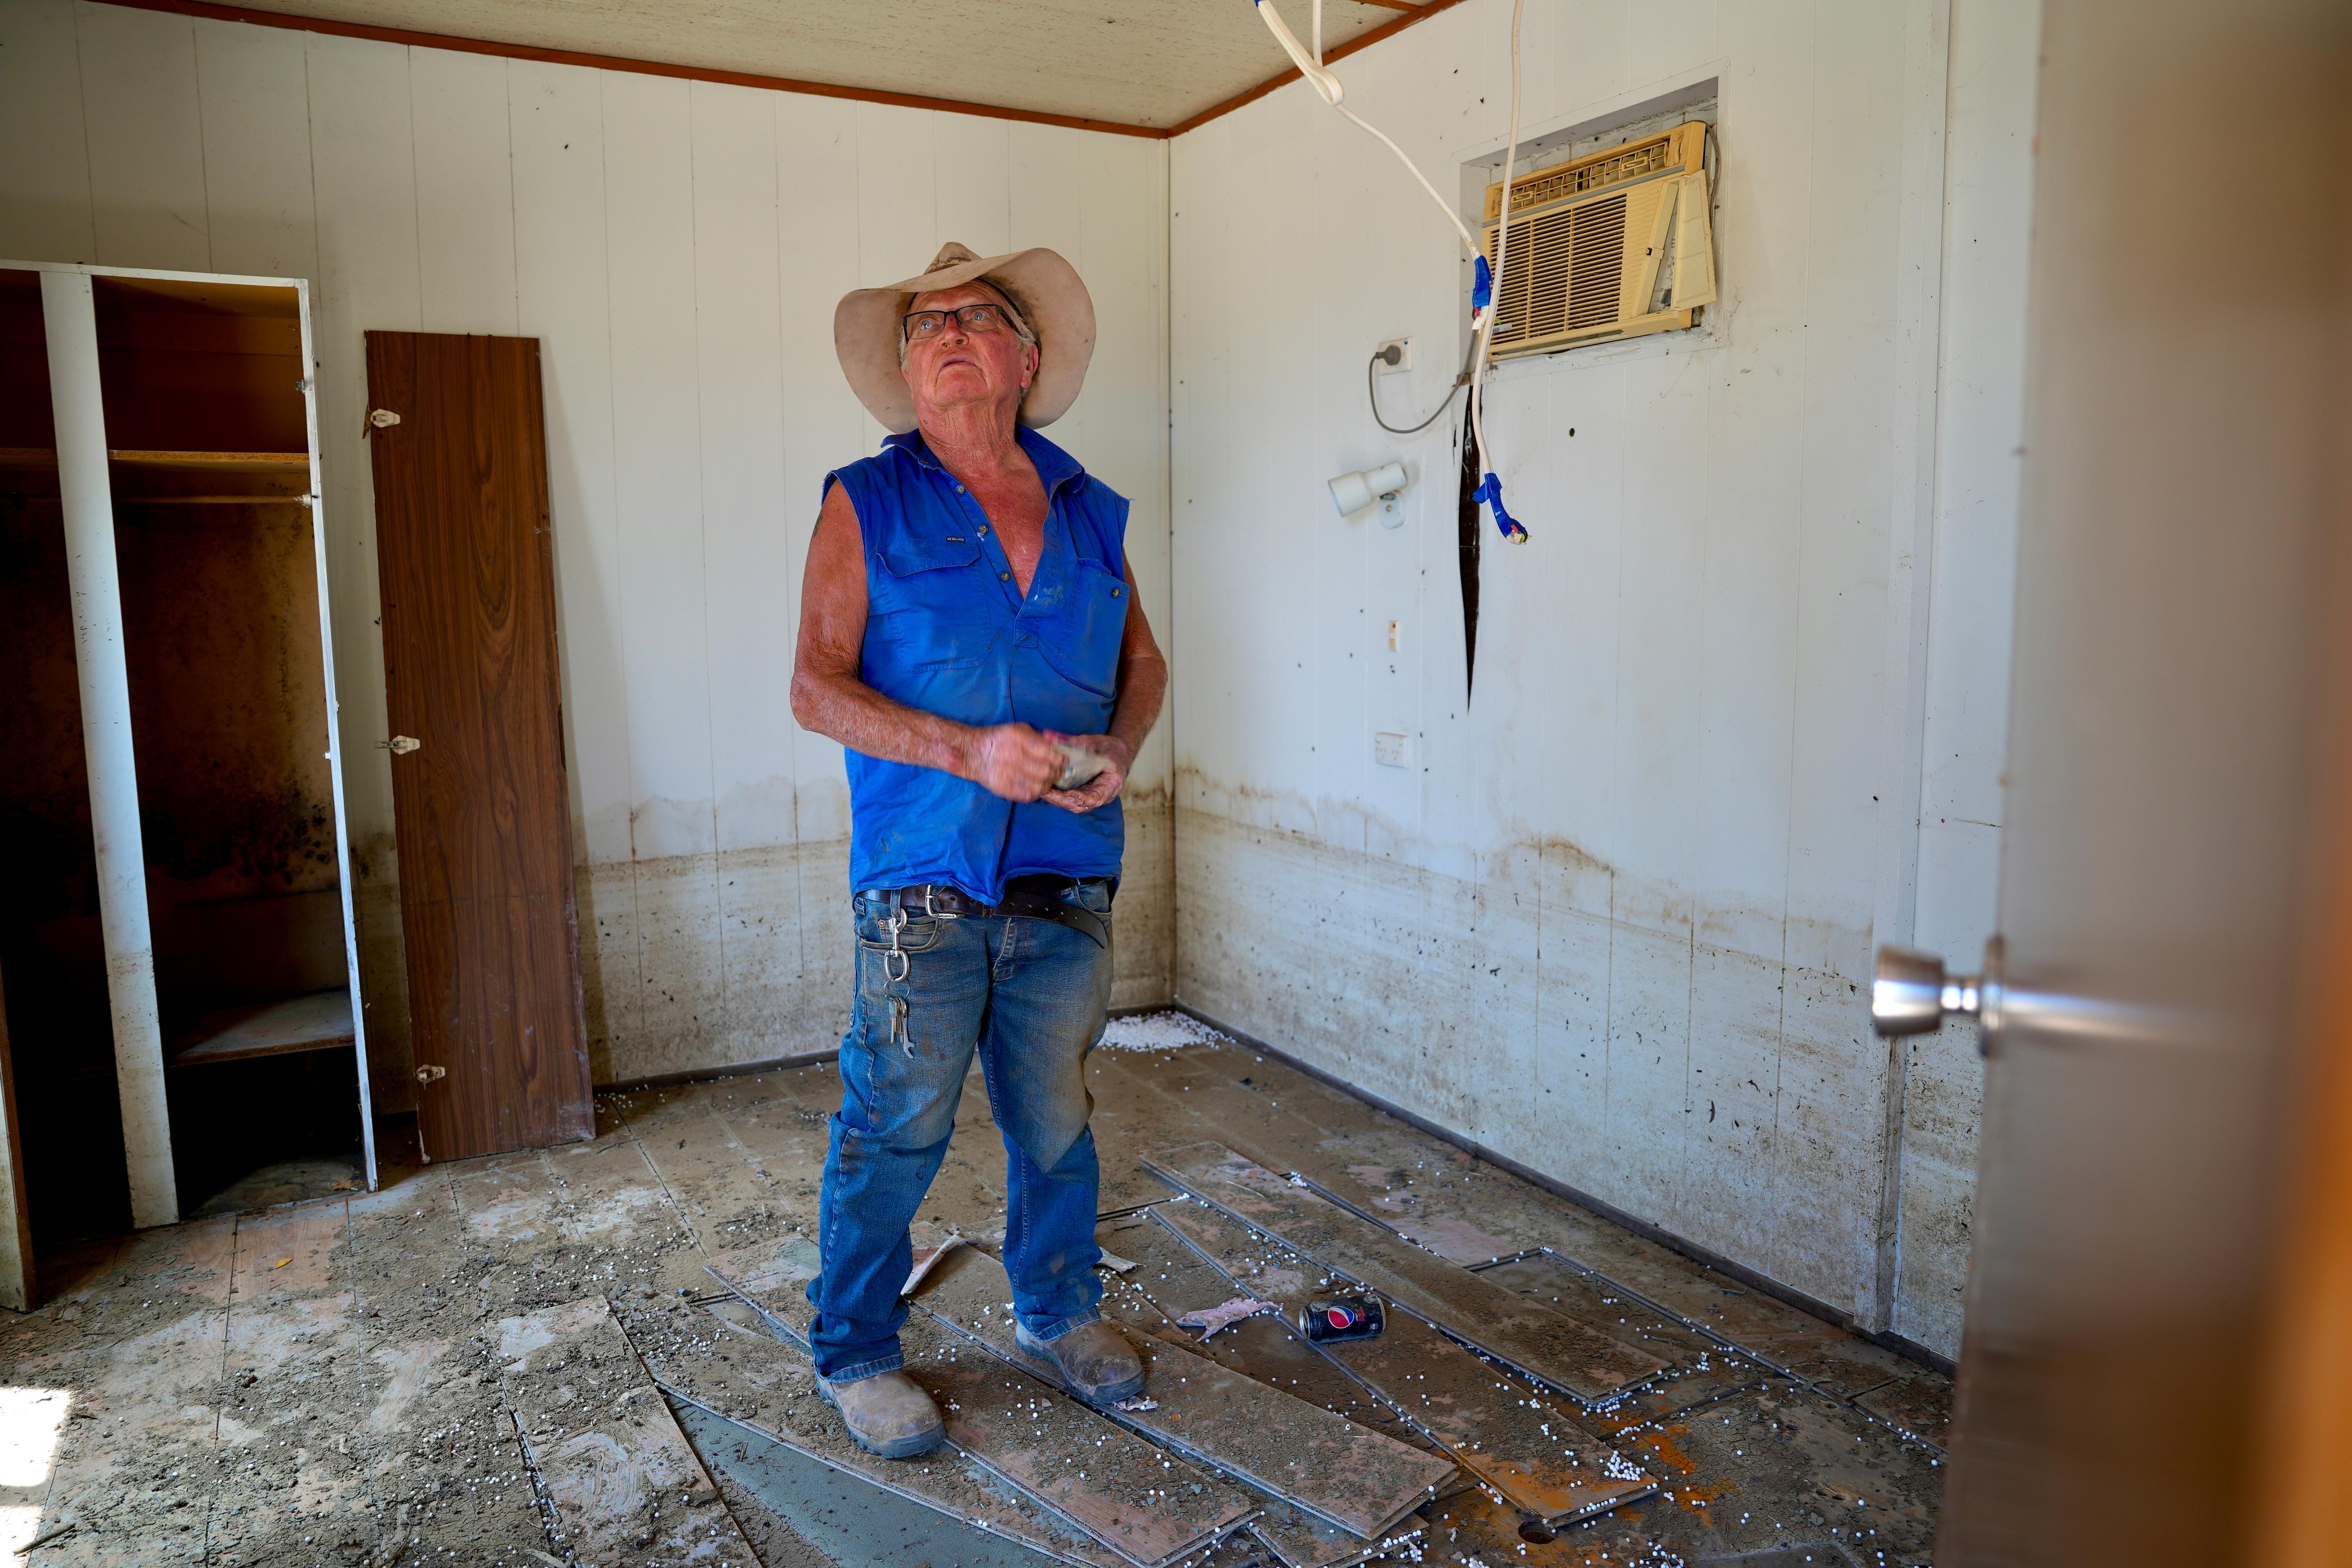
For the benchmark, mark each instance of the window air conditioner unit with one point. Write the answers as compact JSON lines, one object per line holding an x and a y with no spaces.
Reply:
{"x":1614,"y":244}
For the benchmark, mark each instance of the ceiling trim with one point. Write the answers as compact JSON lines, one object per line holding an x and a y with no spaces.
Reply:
{"x":1420,"y":13}
{"x":220,"y":12}
{"x":622,"y":63}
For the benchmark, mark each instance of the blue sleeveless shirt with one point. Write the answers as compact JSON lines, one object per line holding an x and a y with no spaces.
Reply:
{"x":949,"y":632}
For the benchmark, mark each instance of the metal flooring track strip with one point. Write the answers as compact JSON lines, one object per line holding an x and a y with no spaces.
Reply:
{"x":1559,"y":1352}
{"x":1302,"y":1453}
{"x":1540,"y":1458}
{"x":1062,"y":1457}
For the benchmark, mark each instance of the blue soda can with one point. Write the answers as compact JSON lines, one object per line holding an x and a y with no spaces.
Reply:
{"x":1329,"y":1318}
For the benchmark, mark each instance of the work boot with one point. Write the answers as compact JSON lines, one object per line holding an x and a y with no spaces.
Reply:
{"x":1096,"y":1363}
{"x":889,"y":1413}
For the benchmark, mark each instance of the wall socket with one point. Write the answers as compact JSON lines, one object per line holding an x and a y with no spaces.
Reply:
{"x":1404,"y":348}
{"x":1391,"y":750}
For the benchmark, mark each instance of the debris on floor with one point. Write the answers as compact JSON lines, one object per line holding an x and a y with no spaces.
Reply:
{"x":1224,"y":1315}
{"x":619,"y":1479}
{"x":516,"y":1361}
{"x":1167,"y":1031}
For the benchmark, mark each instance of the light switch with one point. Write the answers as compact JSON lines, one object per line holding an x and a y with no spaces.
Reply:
{"x":1396,"y":637}
{"x":1389,"y":748}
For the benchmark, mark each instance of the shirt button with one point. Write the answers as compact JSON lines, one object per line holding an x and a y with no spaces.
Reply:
{"x":1005,"y":576}
{"x":983,"y":530}
{"x":959,"y":490}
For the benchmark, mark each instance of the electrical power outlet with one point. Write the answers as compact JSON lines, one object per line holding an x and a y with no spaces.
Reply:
{"x":1391,"y":750}
{"x":1401,"y":348}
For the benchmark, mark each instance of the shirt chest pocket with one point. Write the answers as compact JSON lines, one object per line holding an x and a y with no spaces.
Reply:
{"x":932,"y":602}
{"x":1093,"y":623}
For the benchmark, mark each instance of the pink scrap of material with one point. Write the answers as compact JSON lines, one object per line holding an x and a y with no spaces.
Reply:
{"x":1211,"y":1318}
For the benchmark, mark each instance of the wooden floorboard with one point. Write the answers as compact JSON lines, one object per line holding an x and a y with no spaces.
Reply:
{"x":1532,"y":1448}
{"x":1556,"y":1351}
{"x":622,"y":1484}
{"x":1096,"y":1474}
{"x":1301,"y":1453}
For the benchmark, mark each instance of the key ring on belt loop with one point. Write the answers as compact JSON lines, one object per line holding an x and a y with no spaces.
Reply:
{"x":905,"y":961}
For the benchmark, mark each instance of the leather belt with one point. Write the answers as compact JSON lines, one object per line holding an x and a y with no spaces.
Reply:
{"x":1031,"y":897}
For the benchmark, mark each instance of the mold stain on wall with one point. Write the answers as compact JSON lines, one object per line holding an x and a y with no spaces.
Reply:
{"x":1589,"y":1024}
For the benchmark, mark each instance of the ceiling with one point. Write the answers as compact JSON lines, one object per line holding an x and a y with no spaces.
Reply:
{"x":1149,"y":64}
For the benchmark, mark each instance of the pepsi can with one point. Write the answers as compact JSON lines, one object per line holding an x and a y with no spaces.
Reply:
{"x":1331,"y":1318}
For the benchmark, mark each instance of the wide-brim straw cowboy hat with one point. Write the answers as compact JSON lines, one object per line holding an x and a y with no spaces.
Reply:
{"x":1044,"y":289}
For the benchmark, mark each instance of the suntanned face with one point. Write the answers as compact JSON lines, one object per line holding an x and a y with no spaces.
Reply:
{"x":958,"y":368}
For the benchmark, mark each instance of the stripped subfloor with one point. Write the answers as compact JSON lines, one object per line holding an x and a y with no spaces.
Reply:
{"x":527,"y":1359}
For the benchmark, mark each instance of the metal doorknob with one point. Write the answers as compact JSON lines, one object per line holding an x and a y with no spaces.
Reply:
{"x":1911,"y":994}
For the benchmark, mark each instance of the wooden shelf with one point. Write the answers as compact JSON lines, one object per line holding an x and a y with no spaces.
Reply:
{"x":321,"y":1021}
{"x":172,"y":479}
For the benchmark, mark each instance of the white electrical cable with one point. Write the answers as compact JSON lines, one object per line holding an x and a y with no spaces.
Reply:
{"x":1502,"y":249}
{"x":1328,"y":86}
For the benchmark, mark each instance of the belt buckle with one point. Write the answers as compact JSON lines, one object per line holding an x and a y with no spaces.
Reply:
{"x":931,"y":909}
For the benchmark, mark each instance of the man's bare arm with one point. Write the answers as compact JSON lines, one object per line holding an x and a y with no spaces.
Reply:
{"x":1143,"y":686}
{"x":1009,"y":760}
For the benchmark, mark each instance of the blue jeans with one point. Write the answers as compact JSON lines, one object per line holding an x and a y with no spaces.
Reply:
{"x":1029,"y":996}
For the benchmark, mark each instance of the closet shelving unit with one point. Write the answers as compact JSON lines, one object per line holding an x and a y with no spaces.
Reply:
{"x":178,"y":922}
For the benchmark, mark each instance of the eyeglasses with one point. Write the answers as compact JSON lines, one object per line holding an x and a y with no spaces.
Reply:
{"x":984,"y":317}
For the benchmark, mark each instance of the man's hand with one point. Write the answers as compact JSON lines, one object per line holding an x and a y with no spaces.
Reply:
{"x":1014,"y":762}
{"x":1105,"y":785}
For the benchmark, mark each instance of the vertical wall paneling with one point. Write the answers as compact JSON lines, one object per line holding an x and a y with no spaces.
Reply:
{"x":820,"y":259}
{"x":740,"y":357}
{"x":678,"y":251}
{"x":464,"y":191}
{"x":1911,"y":551}
{"x":657,"y":486}
{"x":364,"y":181}
{"x":43,"y":148}
{"x":1619,"y":925}
{"x":145,"y":137}
{"x":564,"y":298}
{"x":254,"y":102}
{"x":972,"y":174}
{"x":1989,"y":168}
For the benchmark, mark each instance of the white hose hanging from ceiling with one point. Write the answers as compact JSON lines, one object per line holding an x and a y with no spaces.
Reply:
{"x":1481,"y":317}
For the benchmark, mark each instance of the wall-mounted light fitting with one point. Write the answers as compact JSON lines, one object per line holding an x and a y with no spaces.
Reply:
{"x":1353,"y":492}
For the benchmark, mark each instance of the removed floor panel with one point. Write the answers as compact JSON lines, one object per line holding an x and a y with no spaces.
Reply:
{"x":1547,"y":1348}
{"x":625,"y":1487}
{"x":1103,"y":1479}
{"x":1512,"y":1436}
{"x":1308,"y":1456}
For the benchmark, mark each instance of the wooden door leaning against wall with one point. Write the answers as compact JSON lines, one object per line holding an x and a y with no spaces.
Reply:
{"x":481,"y":811}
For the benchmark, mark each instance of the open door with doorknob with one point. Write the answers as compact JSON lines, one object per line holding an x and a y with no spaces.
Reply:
{"x":2153,"y":1369}
{"x":481,"y":812}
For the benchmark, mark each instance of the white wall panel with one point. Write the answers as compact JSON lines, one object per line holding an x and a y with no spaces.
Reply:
{"x":1988,"y":192}
{"x":562,"y":297}
{"x":145,"y":137}
{"x":44,"y":151}
{"x":677,"y":249}
{"x":464,"y":191}
{"x":362,"y":161}
{"x":254,"y":95}
{"x":747,"y":628}
{"x":1640,"y":868}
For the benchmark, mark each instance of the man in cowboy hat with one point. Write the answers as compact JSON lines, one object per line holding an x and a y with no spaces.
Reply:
{"x":968,"y":613}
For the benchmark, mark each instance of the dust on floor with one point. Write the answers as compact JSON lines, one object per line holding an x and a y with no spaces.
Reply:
{"x":322,"y":1383}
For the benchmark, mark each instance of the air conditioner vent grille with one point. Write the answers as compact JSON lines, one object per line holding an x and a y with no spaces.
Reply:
{"x":1563,"y":181}
{"x":1631,"y":257}
{"x":1561,"y":271}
